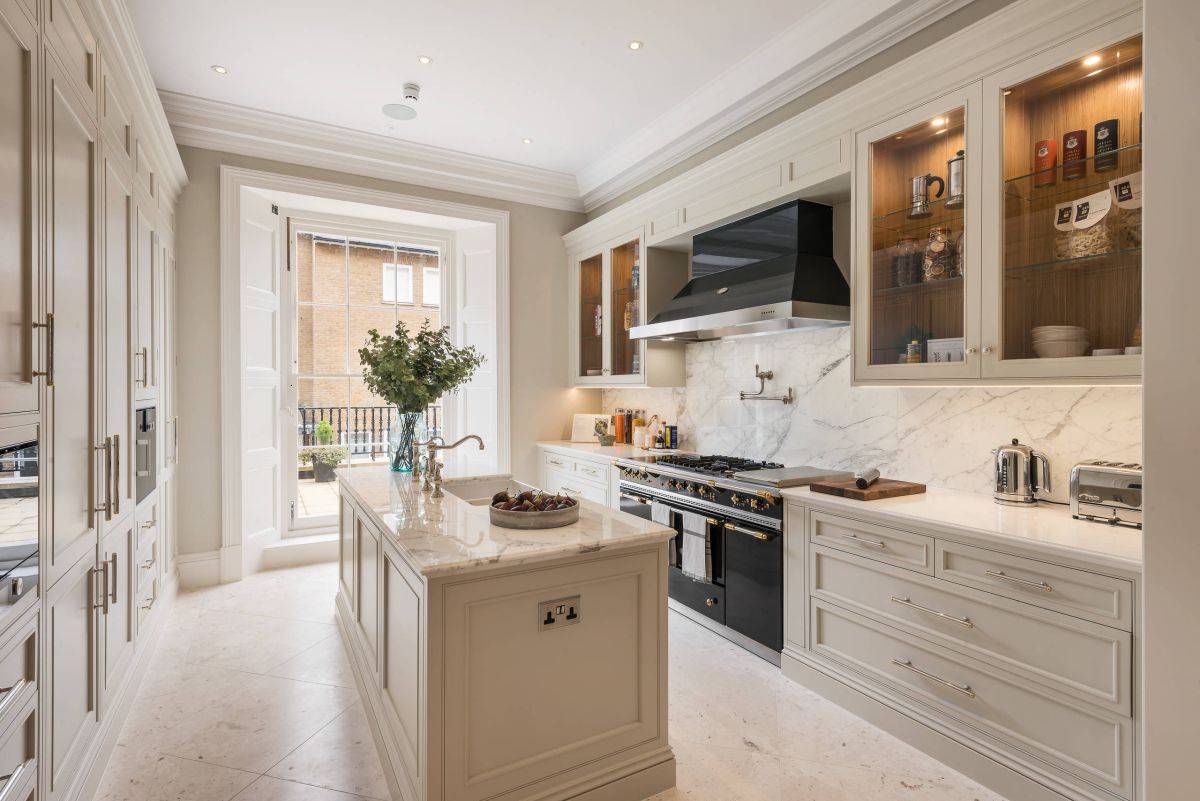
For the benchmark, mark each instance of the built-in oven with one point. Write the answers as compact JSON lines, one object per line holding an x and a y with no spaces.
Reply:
{"x":145,"y":452}
{"x":745,"y":591}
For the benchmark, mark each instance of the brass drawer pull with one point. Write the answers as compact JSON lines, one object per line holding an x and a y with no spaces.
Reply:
{"x":878,"y":544}
{"x":965,"y":622}
{"x":1037,"y":585}
{"x":965,"y":689}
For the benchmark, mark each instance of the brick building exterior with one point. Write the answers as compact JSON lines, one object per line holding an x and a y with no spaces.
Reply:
{"x":344,"y":289}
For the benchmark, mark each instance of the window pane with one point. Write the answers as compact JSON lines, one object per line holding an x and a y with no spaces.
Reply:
{"x":329,"y":271}
{"x":304,"y":267}
{"x":320,"y":399}
{"x":305,"y":340}
{"x":329,"y":339}
{"x":431,"y":286}
{"x":362,"y":320}
{"x":366,"y":261}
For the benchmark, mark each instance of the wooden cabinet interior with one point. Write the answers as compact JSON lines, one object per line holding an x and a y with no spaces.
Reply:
{"x":591,"y":304}
{"x":1049,"y":278}
{"x":626,"y":269}
{"x":904,"y":305}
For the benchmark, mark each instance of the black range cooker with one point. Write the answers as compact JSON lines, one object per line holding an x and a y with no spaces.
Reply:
{"x":732,"y":508}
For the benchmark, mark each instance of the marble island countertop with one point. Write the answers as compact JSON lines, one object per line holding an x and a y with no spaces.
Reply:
{"x":1044,"y":527}
{"x":449,"y":535}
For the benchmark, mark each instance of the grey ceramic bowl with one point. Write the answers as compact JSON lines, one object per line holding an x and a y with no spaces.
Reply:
{"x":530,"y":520}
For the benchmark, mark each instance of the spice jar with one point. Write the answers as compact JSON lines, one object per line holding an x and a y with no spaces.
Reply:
{"x":939,"y":259}
{"x":906,"y":261}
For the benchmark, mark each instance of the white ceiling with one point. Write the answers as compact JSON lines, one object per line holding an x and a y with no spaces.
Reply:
{"x":560,"y":73}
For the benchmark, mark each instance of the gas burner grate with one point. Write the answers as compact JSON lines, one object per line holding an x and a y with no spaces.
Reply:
{"x":715,"y":465}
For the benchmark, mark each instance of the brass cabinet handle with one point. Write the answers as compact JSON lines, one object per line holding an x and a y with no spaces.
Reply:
{"x":710,"y":601}
{"x":103,"y":603}
{"x":1037,"y":585}
{"x":965,"y":622}
{"x":116,"y":473}
{"x":48,"y":373}
{"x":965,"y":689}
{"x":149,"y":563}
{"x":115,"y":576}
{"x":106,"y":507}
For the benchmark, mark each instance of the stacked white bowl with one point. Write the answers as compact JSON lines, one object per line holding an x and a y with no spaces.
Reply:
{"x":1059,"y":341}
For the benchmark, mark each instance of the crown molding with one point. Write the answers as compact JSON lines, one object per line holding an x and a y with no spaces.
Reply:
{"x":215,"y":125}
{"x":125,"y":52}
{"x":767,"y":79}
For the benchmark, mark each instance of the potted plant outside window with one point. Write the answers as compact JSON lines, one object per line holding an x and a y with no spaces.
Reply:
{"x":411,"y":372}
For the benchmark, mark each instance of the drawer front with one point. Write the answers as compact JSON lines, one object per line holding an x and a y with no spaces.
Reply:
{"x":890,"y":545}
{"x":18,"y":754}
{"x":1090,"y":596}
{"x":18,"y":667}
{"x":1083,"y":659}
{"x":1078,"y":740}
{"x":707,"y":599}
{"x":573,"y":486}
{"x":147,"y":518}
{"x":556,"y":461}
{"x":591,"y":471}
{"x":147,"y":603}
{"x":147,"y":565}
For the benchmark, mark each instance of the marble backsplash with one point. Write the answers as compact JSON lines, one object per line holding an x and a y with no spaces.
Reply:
{"x":942,"y":437}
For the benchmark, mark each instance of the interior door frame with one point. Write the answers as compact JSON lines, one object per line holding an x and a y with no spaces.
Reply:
{"x":231,"y":554}
{"x":441,"y":240}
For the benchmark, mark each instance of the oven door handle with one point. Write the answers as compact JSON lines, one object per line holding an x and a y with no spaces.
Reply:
{"x":765,"y":536}
{"x":638,"y":498}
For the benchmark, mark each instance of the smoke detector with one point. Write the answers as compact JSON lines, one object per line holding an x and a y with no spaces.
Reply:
{"x":408,"y":109}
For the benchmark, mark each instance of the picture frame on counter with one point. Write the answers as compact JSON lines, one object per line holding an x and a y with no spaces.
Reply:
{"x":585,"y":427}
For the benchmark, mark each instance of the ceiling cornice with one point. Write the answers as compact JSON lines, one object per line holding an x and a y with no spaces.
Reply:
{"x":250,"y":132}
{"x":765,"y":80}
{"x":125,"y":50}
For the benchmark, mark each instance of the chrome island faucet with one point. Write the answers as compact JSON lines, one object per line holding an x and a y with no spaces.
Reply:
{"x":434,"y":467}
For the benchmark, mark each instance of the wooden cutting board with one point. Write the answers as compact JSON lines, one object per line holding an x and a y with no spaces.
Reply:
{"x":883,"y":488}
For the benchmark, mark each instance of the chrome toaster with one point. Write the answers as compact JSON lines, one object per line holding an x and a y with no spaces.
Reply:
{"x":1110,"y":492}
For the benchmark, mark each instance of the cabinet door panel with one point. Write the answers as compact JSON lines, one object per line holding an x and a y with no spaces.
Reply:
{"x":346,"y":549}
{"x":72,"y":713}
{"x":117,"y":625}
{"x":117,"y":268}
{"x":19,"y":145}
{"x":143,"y":329}
{"x":74,"y":44}
{"x":70,"y":250}
{"x":369,"y":548}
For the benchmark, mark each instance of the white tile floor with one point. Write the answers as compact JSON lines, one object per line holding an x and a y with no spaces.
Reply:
{"x":249,"y":697}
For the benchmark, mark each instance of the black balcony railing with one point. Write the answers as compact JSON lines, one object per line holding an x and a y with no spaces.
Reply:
{"x":361,"y":429}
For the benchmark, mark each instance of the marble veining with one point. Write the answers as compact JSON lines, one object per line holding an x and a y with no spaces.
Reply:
{"x":938,"y":436}
{"x":1043,"y":527}
{"x":450,"y":535}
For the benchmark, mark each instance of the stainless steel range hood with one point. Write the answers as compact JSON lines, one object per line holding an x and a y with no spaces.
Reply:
{"x":782,"y":277}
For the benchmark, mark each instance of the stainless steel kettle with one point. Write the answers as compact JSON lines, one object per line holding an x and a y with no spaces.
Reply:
{"x":1017,"y":476}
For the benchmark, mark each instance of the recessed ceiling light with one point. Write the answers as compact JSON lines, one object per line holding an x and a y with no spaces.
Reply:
{"x":938,"y":122}
{"x":635,"y":45}
{"x":527,"y":140}
{"x":1092,"y":60}
{"x":217,"y":68}
{"x":400,"y":111}
{"x":425,"y":59}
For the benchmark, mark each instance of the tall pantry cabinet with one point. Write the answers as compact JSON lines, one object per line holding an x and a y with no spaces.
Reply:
{"x":88,"y":181}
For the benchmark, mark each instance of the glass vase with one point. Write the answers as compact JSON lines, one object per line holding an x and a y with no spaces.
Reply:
{"x":405,"y":429}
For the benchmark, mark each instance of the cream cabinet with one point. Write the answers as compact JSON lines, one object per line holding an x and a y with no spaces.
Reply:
{"x":615,"y":286}
{"x":575,"y":475}
{"x":20,"y":144}
{"x":146,"y":261}
{"x":998,"y":227}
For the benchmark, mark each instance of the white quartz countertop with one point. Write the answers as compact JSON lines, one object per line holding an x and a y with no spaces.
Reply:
{"x":449,"y":535}
{"x":1044,"y":527}
{"x":615,"y":451}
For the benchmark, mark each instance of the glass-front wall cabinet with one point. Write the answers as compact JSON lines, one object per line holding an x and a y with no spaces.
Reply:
{"x":609,"y":296}
{"x":917,"y":295}
{"x":1070,"y":272}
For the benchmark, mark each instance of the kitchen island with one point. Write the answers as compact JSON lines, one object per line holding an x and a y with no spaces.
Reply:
{"x":497,"y":663}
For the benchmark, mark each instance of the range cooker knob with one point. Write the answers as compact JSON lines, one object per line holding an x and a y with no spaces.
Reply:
{"x":673,"y":484}
{"x":710,"y":601}
{"x":691,"y":489}
{"x":755,"y":503}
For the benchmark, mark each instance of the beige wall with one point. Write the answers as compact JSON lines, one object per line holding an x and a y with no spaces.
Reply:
{"x":928,"y":37}
{"x":1172,"y":381}
{"x":542,"y":404}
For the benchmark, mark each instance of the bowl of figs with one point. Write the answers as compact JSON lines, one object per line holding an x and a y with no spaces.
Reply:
{"x":533,"y":509}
